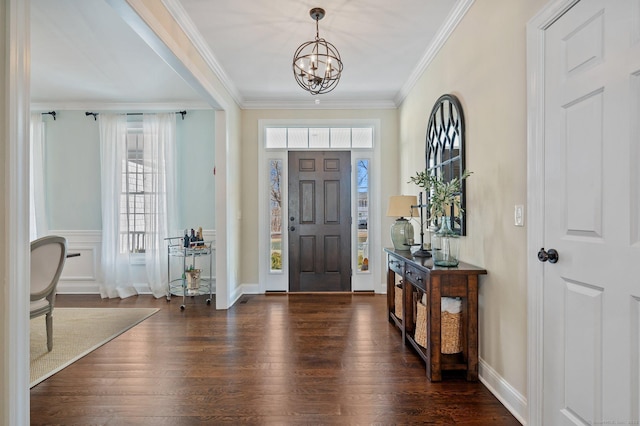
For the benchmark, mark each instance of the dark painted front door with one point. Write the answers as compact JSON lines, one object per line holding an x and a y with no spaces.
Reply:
{"x":319,"y":221}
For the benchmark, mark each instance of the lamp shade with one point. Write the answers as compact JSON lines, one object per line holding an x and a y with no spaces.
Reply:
{"x":402,"y":206}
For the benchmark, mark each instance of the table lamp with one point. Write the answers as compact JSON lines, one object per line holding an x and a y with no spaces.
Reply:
{"x":402,"y":206}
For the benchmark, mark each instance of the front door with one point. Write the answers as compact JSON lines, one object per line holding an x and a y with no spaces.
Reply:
{"x":591,"y":313}
{"x":319,"y":221}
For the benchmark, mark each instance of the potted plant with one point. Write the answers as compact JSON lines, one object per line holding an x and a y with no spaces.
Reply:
{"x":443,"y":196}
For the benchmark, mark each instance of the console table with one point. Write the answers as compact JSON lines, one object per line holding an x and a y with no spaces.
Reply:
{"x":420,"y":276}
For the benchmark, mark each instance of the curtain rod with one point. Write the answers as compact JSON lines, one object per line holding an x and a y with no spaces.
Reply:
{"x":51,"y":113}
{"x":95,"y":114}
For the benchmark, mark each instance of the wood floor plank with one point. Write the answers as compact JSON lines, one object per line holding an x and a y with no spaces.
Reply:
{"x":297,"y":359}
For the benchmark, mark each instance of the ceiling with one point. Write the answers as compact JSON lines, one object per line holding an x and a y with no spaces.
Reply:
{"x":83,"y":54}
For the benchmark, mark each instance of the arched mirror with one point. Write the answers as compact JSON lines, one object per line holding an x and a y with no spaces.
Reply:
{"x":445,"y":150}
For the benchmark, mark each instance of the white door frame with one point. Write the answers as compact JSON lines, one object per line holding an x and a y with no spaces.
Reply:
{"x":536,"y":28}
{"x":14,"y":408}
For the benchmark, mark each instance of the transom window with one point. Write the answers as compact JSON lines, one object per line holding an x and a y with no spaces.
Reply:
{"x":319,"y":137}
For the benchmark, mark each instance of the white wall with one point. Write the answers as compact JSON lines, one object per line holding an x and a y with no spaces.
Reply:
{"x":250,"y":148}
{"x":483,"y":64}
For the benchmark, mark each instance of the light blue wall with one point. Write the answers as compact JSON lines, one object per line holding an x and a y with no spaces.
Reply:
{"x":72,"y":171}
{"x":196,"y":155}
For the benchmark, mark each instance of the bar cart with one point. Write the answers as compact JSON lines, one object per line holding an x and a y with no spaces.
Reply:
{"x":189,"y":283}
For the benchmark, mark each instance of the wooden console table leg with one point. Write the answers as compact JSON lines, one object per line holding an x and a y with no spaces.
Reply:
{"x":434,"y":371}
{"x":472,"y":327}
{"x":391,"y":280}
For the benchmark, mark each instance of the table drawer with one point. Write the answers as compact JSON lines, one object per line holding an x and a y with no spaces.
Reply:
{"x":415,"y":276}
{"x":396,"y":265}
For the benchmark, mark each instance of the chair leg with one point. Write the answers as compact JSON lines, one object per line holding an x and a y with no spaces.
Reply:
{"x":49,"y":320}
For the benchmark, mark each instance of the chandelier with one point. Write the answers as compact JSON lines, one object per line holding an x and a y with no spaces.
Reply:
{"x":316,"y":64}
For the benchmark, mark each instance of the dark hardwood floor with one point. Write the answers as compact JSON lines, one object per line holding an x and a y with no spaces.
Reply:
{"x":270,"y":359}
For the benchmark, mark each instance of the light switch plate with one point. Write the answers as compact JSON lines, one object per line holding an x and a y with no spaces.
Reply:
{"x":518,"y":215}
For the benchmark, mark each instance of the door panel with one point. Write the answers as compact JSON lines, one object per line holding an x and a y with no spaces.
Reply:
{"x":319,"y":221}
{"x":591,"y":190}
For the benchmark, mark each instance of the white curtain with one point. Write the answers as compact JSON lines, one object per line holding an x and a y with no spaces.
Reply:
{"x":113,"y":155}
{"x":159,"y":131}
{"x":37,"y":212}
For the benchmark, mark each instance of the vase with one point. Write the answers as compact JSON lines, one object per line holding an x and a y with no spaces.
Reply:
{"x":402,"y":234}
{"x":445,"y":245}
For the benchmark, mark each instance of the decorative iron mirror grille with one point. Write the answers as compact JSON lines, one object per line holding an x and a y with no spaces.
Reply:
{"x":445,"y":150}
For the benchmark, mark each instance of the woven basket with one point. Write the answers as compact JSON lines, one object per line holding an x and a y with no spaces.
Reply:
{"x":398,"y":300}
{"x":420,"y":335}
{"x":451,"y":329}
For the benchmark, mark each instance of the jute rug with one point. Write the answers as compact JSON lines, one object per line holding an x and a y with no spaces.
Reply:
{"x":77,"y":332}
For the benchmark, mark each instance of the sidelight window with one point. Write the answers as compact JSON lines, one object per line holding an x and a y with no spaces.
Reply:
{"x":275,"y":212}
{"x":363,"y":195}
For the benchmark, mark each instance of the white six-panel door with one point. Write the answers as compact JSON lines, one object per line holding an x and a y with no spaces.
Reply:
{"x":591,"y":313}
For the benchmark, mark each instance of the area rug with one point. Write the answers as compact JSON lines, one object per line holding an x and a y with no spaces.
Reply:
{"x":77,"y":332}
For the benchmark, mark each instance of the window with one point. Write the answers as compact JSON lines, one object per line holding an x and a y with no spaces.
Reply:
{"x":363,"y":214}
{"x":319,"y":138}
{"x":136,"y":184}
{"x":275,"y":211}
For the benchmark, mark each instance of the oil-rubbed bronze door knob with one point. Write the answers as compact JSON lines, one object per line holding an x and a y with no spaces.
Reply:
{"x":551,"y":255}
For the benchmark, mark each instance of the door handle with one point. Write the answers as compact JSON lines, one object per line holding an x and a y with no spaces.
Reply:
{"x":551,"y":255}
{"x":293,"y":228}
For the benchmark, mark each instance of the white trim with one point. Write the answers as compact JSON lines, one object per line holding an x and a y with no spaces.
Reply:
{"x":513,"y":400}
{"x":324,"y":104}
{"x":186,"y":24}
{"x":236,"y":294}
{"x":536,"y":28}
{"x":145,"y":24}
{"x":247,"y":288}
{"x":223,"y":211}
{"x":129,"y":107}
{"x":15,"y":303}
{"x":449,"y":25}
{"x":271,"y":281}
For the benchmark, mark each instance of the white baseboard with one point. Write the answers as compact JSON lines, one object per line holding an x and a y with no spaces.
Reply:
{"x":513,"y":400}
{"x":78,"y":288}
{"x":250,"y":289}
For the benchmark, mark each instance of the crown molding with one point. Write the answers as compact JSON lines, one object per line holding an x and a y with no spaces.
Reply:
{"x":175,"y":9}
{"x":441,"y":37}
{"x":324,"y":104}
{"x":129,"y":107}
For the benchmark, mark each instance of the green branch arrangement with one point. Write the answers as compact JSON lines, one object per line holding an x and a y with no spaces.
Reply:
{"x":442,"y":195}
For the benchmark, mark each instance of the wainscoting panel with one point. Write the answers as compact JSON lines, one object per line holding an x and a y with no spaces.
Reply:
{"x":82,"y":274}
